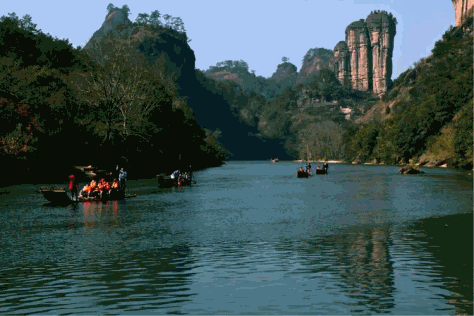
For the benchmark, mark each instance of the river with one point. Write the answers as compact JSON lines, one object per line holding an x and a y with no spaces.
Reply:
{"x":246,"y":238}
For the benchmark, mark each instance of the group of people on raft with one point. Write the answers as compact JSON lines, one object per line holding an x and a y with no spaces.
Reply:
{"x":307,"y":168}
{"x":97,"y":189}
{"x":182,"y":177}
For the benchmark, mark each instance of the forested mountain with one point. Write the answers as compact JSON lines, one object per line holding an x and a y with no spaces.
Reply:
{"x":62,"y":106}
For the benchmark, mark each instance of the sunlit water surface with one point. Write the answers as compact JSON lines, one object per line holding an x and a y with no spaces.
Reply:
{"x":246,"y":238}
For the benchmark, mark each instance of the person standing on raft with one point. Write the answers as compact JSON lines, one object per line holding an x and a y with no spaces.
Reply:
{"x":123,"y":180}
{"x":72,"y":186}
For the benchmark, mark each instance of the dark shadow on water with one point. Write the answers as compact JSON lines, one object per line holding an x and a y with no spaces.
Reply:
{"x":450,"y":241}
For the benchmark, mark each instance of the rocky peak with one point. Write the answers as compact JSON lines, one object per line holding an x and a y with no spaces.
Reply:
{"x":112,"y":21}
{"x":365,"y":58}
{"x":284,"y":70}
{"x":314,"y":61}
{"x":153,"y":44}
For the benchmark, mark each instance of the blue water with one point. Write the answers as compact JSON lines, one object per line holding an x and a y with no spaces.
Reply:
{"x":246,"y":238}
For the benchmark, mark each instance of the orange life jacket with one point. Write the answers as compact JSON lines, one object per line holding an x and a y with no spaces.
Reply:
{"x":93,"y":184}
{"x":115,"y":185}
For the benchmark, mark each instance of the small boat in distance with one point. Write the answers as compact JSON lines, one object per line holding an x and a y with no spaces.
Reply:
{"x":302,"y":174}
{"x":170,"y":181}
{"x":321,"y":171}
{"x":275,"y":160}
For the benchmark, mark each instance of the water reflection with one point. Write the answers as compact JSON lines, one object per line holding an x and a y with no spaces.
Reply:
{"x":96,"y":213}
{"x":151,"y":280}
{"x":358,"y":259}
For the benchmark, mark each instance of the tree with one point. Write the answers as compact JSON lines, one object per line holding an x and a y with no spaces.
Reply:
{"x":27,"y":23}
{"x":142,"y":18}
{"x":122,"y":93}
{"x":126,"y":10}
{"x":155,"y":18}
{"x":285,"y":59}
{"x":110,"y":8}
{"x":167,"y":18}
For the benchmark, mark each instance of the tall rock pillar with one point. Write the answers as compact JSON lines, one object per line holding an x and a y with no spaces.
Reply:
{"x":341,"y":63}
{"x":382,"y":33}
{"x":462,"y":8}
{"x":357,"y":45}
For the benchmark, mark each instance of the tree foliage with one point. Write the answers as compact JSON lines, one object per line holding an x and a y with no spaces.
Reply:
{"x":62,"y":106}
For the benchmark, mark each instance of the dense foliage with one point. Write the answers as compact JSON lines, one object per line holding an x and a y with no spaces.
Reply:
{"x":60,"y":107}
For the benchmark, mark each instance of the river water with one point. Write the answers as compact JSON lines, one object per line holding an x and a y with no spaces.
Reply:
{"x":246,"y":238}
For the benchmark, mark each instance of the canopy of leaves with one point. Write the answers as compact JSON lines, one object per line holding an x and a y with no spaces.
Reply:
{"x":62,"y":106}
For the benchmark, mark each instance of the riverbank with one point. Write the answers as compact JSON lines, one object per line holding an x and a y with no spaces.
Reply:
{"x":319,"y":161}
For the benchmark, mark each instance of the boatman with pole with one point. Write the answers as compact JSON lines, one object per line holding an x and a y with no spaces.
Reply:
{"x":122,"y":179}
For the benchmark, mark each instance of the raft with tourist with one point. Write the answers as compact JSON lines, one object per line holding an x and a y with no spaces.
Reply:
{"x":95,"y":190}
{"x":304,"y":172}
{"x":322,"y":170}
{"x":176,"y":179}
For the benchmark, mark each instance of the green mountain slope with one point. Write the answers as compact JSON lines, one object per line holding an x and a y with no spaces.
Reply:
{"x":428,"y":113}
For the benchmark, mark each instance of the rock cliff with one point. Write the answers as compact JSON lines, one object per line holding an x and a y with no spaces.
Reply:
{"x":314,"y":61}
{"x":462,"y":8}
{"x":342,"y":62}
{"x":113,"y":20}
{"x":364,"y":59}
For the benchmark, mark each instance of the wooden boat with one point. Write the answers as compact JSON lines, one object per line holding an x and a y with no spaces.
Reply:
{"x":302,"y":174}
{"x":56,"y":196}
{"x":60,"y":197}
{"x":321,"y":171}
{"x":106,"y":198}
{"x":168,"y":182}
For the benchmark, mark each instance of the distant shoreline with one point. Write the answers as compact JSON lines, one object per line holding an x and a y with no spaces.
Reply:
{"x":320,"y":161}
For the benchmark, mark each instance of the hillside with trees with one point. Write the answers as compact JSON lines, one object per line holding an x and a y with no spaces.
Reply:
{"x":427,"y":116}
{"x":61,"y":106}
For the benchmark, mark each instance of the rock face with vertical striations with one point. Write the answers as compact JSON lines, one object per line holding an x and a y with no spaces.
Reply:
{"x":462,"y":8}
{"x":382,"y":33}
{"x":364,"y":59}
{"x":342,"y":62}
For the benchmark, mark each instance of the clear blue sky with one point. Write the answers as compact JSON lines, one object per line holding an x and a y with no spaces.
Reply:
{"x":259,"y":32}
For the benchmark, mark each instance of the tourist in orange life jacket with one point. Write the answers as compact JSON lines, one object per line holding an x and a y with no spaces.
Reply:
{"x":107,"y":189}
{"x":94,"y":189}
{"x":73,"y":187}
{"x":100,"y":187}
{"x":115,"y":185}
{"x":85,"y":191}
